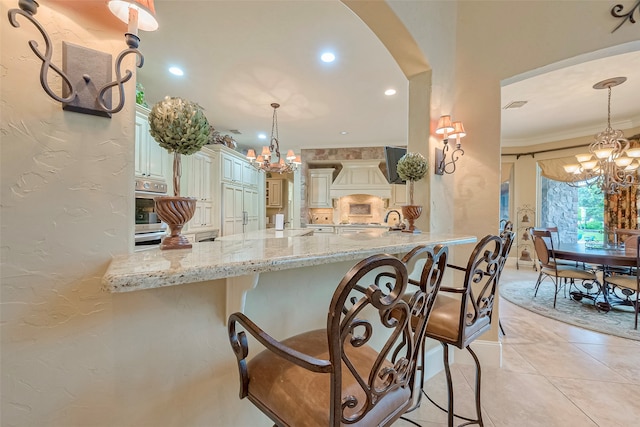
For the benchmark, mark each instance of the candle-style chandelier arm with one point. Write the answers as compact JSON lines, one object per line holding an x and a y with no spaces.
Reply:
{"x":611,"y":162}
{"x":271,"y":160}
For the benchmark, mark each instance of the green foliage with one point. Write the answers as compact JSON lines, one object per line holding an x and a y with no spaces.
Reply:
{"x":140,"y":95}
{"x":179,"y":125}
{"x":591,"y":199}
{"x":412,"y":167}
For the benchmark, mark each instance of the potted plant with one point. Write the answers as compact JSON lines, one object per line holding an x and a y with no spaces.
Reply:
{"x":180,"y":127}
{"x":412,"y":167}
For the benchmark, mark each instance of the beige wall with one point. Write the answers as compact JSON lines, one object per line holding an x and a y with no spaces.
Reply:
{"x":73,"y":355}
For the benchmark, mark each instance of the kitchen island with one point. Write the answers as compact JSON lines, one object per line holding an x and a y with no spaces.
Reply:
{"x":241,"y":259}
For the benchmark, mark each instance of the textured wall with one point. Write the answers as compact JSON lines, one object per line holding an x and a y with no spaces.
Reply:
{"x":73,"y":355}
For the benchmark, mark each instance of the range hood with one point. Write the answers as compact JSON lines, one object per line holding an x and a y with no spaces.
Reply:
{"x":360,"y":177}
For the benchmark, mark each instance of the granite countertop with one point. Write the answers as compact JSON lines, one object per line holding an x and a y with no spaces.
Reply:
{"x":355,"y":225}
{"x":258,"y":252}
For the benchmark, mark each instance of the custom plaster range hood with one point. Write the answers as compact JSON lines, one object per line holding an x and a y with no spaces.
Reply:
{"x":360,"y":177}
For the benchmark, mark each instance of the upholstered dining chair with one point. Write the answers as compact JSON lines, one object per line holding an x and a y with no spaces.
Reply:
{"x":359,"y":370}
{"x":463,"y":313}
{"x":627,"y":286}
{"x":550,"y":268}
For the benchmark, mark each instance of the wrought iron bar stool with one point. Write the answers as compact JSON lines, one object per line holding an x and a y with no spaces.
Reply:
{"x":337,"y":376}
{"x":461,"y":314}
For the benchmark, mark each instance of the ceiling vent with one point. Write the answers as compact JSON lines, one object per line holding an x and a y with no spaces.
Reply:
{"x":514,"y":104}
{"x":235,"y":131}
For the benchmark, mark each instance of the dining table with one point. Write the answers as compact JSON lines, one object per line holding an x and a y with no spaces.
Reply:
{"x":607,"y":258}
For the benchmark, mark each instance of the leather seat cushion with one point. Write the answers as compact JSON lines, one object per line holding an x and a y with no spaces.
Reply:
{"x":302,"y":398}
{"x":444,"y":322}
{"x":570,"y":273}
{"x":623,"y":281}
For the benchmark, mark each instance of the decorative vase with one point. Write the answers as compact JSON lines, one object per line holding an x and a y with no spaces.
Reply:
{"x":175,"y":212}
{"x":411,"y":213}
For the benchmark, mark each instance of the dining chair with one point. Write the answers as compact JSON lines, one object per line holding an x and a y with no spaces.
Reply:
{"x":507,"y":235}
{"x":622,"y":234}
{"x":552,"y":269}
{"x":626,"y":286}
{"x":463,"y":313}
{"x":360,"y":370}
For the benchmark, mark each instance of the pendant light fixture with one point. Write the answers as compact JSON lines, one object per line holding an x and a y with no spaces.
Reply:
{"x":270,"y":159}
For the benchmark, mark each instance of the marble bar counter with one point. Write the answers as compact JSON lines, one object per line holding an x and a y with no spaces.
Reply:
{"x":258,"y":252}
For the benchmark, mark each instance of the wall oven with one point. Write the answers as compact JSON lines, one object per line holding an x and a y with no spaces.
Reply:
{"x":149,"y":230}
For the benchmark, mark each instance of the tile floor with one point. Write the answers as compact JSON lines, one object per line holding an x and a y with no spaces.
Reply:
{"x":553,"y":374}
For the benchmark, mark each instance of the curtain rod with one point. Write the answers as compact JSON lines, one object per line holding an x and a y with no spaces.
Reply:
{"x":533,"y":153}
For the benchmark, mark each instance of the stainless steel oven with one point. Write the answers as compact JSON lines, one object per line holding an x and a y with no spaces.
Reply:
{"x":149,"y":229}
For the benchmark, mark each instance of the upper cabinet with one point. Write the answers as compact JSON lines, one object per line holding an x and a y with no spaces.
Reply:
{"x":151,"y":160}
{"x":232,"y":168}
{"x":319,"y":188}
{"x":274,"y":196}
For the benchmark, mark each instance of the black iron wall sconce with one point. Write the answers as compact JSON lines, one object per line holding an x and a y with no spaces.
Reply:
{"x":86,"y":73}
{"x":448,"y":129}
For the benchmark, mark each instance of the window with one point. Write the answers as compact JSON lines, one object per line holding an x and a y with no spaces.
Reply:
{"x":578,"y":212}
{"x":504,"y":201}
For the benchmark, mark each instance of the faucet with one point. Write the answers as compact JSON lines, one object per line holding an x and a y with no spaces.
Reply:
{"x":386,"y":218}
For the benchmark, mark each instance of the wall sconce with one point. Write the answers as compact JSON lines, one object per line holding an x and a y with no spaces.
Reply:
{"x":448,"y":129}
{"x":86,"y":73}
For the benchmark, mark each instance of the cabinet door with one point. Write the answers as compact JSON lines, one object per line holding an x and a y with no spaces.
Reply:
{"x":250,"y":205}
{"x":320,"y":190}
{"x":157,"y":160}
{"x":232,"y":168}
{"x":142,"y":126}
{"x":249,"y":175}
{"x":200,"y":172}
{"x":399,"y":195}
{"x":274,"y":193}
{"x":151,"y":160}
{"x":232,"y":201}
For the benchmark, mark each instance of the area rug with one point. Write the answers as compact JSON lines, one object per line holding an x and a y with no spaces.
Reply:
{"x":618,"y":321}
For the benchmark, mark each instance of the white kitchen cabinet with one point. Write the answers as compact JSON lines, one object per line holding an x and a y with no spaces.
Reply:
{"x":240,"y":190}
{"x":274,"y":195}
{"x":251,"y":205}
{"x":319,"y":188}
{"x":399,"y":195}
{"x":232,"y":168}
{"x":197,"y":175}
{"x":232,"y":209}
{"x":151,"y":160}
{"x":250,"y":175}
{"x":317,"y":228}
{"x":240,"y":209}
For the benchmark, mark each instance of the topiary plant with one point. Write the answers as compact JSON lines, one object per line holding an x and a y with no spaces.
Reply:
{"x":180,"y":127}
{"x":412,"y":167}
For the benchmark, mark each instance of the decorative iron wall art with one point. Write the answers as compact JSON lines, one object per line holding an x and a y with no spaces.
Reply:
{"x":616,"y":12}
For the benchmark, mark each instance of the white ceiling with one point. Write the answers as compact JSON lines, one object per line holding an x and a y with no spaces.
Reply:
{"x":563,"y":104}
{"x":240,"y":56}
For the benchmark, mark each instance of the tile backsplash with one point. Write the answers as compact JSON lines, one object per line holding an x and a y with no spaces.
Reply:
{"x":357,"y":208}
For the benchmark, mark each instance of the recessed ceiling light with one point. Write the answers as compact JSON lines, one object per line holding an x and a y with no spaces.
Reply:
{"x":327,"y":57}
{"x":344,"y":132}
{"x":176,"y":71}
{"x":390,"y":92}
{"x":262,"y":136}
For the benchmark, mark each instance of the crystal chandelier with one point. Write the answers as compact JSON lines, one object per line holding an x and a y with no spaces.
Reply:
{"x":611,"y":162}
{"x":270,"y":160}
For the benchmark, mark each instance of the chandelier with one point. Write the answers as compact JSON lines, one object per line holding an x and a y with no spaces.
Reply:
{"x":611,"y":162}
{"x":270,"y":160}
